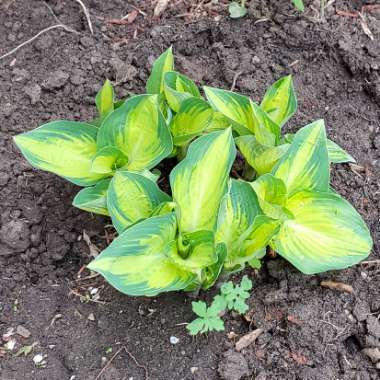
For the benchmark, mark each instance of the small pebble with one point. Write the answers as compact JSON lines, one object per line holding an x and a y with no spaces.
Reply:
{"x":22,"y":331}
{"x":38,"y":359}
{"x":91,"y":317}
{"x":10,"y":345}
{"x":93,"y":291}
{"x":174,"y":340}
{"x":193,"y":369}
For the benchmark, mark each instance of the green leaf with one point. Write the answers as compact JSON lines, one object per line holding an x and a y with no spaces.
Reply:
{"x":299,"y":5}
{"x":209,"y":319}
{"x":193,"y":117}
{"x":272,"y":194}
{"x":212,"y":272}
{"x":108,"y":159}
{"x":25,"y":350}
{"x":137,"y":262}
{"x":236,"y":108}
{"x":218,"y":122}
{"x":236,"y":10}
{"x":203,"y":325}
{"x":199,"y":181}
{"x":260,"y":234}
{"x":235,"y":296}
{"x":65,"y":148}
{"x":138,"y":129}
{"x":163,"y":64}
{"x":280,"y":101}
{"x":196,"y":251}
{"x":94,"y":198}
{"x":305,"y":165}
{"x":199,"y":308}
{"x":218,"y":305}
{"x":105,"y":99}
{"x":260,"y":157}
{"x":326,"y":233}
{"x":338,"y":155}
{"x":164,"y":208}
{"x":237,"y":212}
{"x":177,"y":88}
{"x":266,"y":131}
{"x":132,"y":197}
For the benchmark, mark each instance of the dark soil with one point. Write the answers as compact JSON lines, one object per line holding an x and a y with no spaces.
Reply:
{"x":310,"y":332}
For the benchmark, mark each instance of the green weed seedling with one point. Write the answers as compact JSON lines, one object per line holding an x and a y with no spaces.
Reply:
{"x":231,"y":297}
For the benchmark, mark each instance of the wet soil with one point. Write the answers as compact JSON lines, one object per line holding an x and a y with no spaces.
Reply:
{"x":310,"y":332}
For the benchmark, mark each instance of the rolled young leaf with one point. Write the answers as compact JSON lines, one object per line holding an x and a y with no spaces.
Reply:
{"x":132,"y":197}
{"x":199,"y":181}
{"x":305,"y":165}
{"x":272,"y":194}
{"x":105,"y":99}
{"x":108,"y":159}
{"x":259,"y":235}
{"x":199,"y":248}
{"x":63,"y":147}
{"x":94,"y":198}
{"x":137,"y":262}
{"x":237,"y":212}
{"x":280,"y":101}
{"x":163,"y":64}
{"x":260,"y":157}
{"x":177,"y":88}
{"x":326,"y":233}
{"x":193,"y":117}
{"x":211,"y":273}
{"x":266,"y":131}
{"x":237,"y":108}
{"x":138,"y":129}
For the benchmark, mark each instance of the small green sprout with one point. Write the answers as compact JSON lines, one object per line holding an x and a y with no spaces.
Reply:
{"x":299,"y":5}
{"x":208,"y":318}
{"x":237,"y":10}
{"x":235,"y":296}
{"x":231,"y":297}
{"x":25,"y":350}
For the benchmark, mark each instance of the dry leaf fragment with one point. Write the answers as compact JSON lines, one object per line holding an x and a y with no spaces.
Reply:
{"x":294,"y":320}
{"x":126,"y":20}
{"x":298,"y":358}
{"x":372,"y":353}
{"x":337,"y":286}
{"x":248,"y":339}
{"x":160,"y":7}
{"x":94,"y":250}
{"x":365,"y":27}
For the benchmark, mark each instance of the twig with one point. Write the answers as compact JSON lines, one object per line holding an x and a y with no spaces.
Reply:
{"x":87,"y":14}
{"x":130,"y":355}
{"x":236,"y":76}
{"x":56,"y":26}
{"x":32,"y":39}
{"x":91,"y":276}
{"x":337,"y":286}
{"x":370,"y":262}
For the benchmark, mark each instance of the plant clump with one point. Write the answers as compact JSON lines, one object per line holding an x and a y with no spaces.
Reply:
{"x":209,"y":222}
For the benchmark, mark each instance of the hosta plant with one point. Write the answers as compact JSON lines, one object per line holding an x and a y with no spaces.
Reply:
{"x":209,"y":222}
